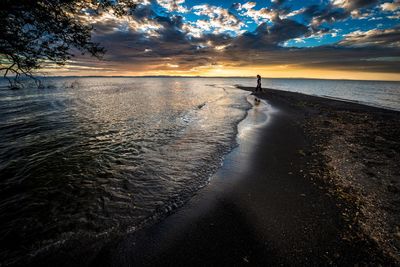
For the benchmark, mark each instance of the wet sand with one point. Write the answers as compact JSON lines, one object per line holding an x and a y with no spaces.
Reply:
{"x":277,"y":200}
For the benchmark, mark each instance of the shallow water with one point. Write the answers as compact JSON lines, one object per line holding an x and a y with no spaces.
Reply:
{"x":91,"y":156}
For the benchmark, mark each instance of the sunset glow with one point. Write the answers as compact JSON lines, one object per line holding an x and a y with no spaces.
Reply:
{"x":277,"y":39}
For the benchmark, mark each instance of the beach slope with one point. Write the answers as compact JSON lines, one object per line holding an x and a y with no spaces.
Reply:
{"x":316,"y":185}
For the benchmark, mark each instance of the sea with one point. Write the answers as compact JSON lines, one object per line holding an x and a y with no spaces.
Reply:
{"x":83,"y":159}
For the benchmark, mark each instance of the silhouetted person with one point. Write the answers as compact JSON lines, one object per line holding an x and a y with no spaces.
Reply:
{"x":258,"y":88}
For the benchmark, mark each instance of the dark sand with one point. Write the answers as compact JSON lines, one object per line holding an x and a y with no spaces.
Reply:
{"x":283,"y":203}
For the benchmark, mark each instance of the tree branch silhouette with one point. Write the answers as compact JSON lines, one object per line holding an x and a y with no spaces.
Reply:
{"x":36,"y":32}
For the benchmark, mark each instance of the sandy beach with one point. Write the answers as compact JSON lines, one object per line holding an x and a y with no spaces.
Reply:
{"x":313,"y":182}
{"x":354,"y":154}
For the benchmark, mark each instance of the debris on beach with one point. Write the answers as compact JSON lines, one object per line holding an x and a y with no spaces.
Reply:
{"x":357,"y":154}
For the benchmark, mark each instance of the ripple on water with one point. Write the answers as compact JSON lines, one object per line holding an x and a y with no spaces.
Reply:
{"x":106,"y":155}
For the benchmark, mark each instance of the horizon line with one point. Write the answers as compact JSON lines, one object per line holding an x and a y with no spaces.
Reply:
{"x":198,"y":76}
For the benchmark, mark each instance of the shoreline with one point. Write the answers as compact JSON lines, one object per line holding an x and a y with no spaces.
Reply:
{"x":355,"y":152}
{"x":271,"y":205}
{"x":204,"y":77}
{"x":324,"y":99}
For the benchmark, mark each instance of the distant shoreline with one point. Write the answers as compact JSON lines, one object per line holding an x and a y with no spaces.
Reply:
{"x":205,"y":77}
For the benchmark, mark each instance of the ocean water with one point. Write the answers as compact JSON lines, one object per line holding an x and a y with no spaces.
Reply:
{"x":383,"y":94}
{"x":90,"y":157}
{"x":85,"y":158}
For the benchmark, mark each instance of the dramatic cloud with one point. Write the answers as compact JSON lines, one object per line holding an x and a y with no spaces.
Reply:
{"x":258,"y":15}
{"x":351,"y":5}
{"x":338,"y":10}
{"x":273,"y":13}
{"x":219,"y":19}
{"x":182,"y":37}
{"x":173,"y":5}
{"x":391,"y":6}
{"x":270,"y":37}
{"x":377,"y":38}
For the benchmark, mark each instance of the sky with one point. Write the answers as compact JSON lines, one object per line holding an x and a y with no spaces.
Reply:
{"x":341,"y":39}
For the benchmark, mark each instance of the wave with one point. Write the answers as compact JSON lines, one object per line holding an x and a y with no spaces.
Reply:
{"x":84,"y":163}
